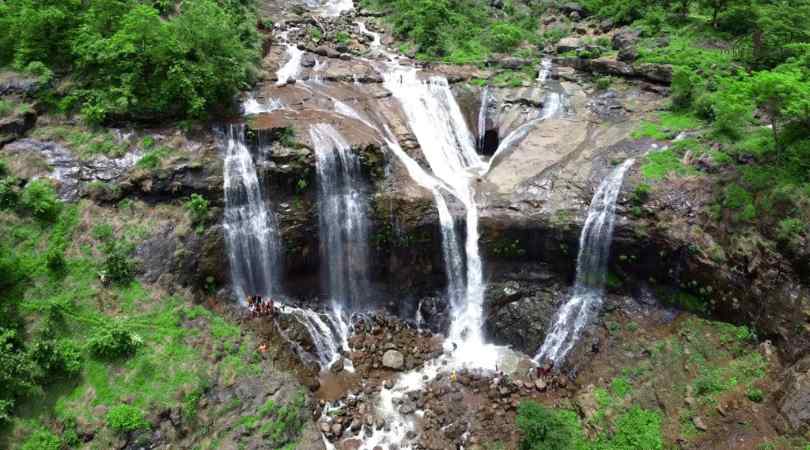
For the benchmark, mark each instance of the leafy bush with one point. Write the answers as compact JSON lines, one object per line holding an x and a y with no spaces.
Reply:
{"x":603,"y":83}
{"x":755,"y":395}
{"x":641,"y":194}
{"x":118,"y":265}
{"x":458,"y":31}
{"x":9,"y":194}
{"x":126,"y":418}
{"x":56,"y":359}
{"x":545,"y":429}
{"x":635,"y":429}
{"x":343,"y":38}
{"x":151,"y":160}
{"x":789,"y":229}
{"x":17,"y":372}
{"x":505,"y":36}
{"x":39,"y":197}
{"x":197,"y":207}
{"x":42,"y":440}
{"x":112,"y":342}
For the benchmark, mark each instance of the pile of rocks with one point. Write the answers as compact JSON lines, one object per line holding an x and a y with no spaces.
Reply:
{"x":381,"y":342}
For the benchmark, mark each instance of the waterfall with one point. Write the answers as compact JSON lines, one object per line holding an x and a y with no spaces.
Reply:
{"x":325,"y":337}
{"x":436,"y":119}
{"x":250,"y":228}
{"x":592,"y":261}
{"x":343,"y":225}
{"x":291,"y":68}
{"x":251,"y":106}
{"x":482,"y":118}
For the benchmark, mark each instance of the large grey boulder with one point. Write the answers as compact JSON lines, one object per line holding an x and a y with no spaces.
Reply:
{"x":393,"y":359}
{"x":625,"y":41}
{"x":795,"y":397}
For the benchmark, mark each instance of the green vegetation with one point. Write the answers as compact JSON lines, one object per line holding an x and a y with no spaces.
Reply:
{"x":126,"y":418}
{"x":197,"y":207}
{"x":705,"y":361}
{"x":545,"y":429}
{"x":460,"y":31}
{"x":741,"y":73}
{"x":133,"y":59}
{"x":84,"y":143}
{"x":81,"y":334}
{"x":152,"y":159}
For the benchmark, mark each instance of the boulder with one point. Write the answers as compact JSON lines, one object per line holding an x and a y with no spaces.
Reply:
{"x":657,"y":73}
{"x":573,"y":8}
{"x":794,"y":402}
{"x":514,"y":63}
{"x":393,"y":359}
{"x":568,"y":44}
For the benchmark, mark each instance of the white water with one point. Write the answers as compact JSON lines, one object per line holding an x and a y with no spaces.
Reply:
{"x":250,"y":228}
{"x":327,"y":339}
{"x":343,"y":226}
{"x":482,"y":117}
{"x":251,"y":106}
{"x":554,"y":104}
{"x":343,"y":217}
{"x":333,"y":8}
{"x":592,"y":260}
{"x":292,"y":67}
{"x":435,"y":118}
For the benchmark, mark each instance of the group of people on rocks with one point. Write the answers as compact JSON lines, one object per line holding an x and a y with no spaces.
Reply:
{"x":260,"y":306}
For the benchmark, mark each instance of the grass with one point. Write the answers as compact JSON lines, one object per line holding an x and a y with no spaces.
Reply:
{"x":712,"y":360}
{"x":658,"y":165}
{"x":168,"y":370}
{"x":666,"y":126}
{"x":84,"y":142}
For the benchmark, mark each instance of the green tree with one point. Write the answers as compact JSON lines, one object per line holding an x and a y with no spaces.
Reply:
{"x":784,"y":96}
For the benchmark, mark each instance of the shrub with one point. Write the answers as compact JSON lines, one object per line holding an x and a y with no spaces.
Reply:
{"x":112,"y":342}
{"x":39,"y":197}
{"x":9,"y":194}
{"x":755,"y":395}
{"x":545,"y":429}
{"x":197,"y":207}
{"x":42,"y":440}
{"x":505,"y":36}
{"x":151,"y":160}
{"x":641,"y":194}
{"x":342,"y":38}
{"x":127,"y":59}
{"x":126,"y":418}
{"x":789,"y":229}
{"x":636,"y":429}
{"x":56,"y":359}
{"x":17,"y":372}
{"x":603,"y":83}
{"x":118,"y":266}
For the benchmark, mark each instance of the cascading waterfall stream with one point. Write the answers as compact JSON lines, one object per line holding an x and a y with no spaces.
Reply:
{"x":482,"y":117}
{"x":343,"y":225}
{"x":250,"y":228}
{"x":592,"y":260}
{"x":436,"y":120}
{"x":292,"y":67}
